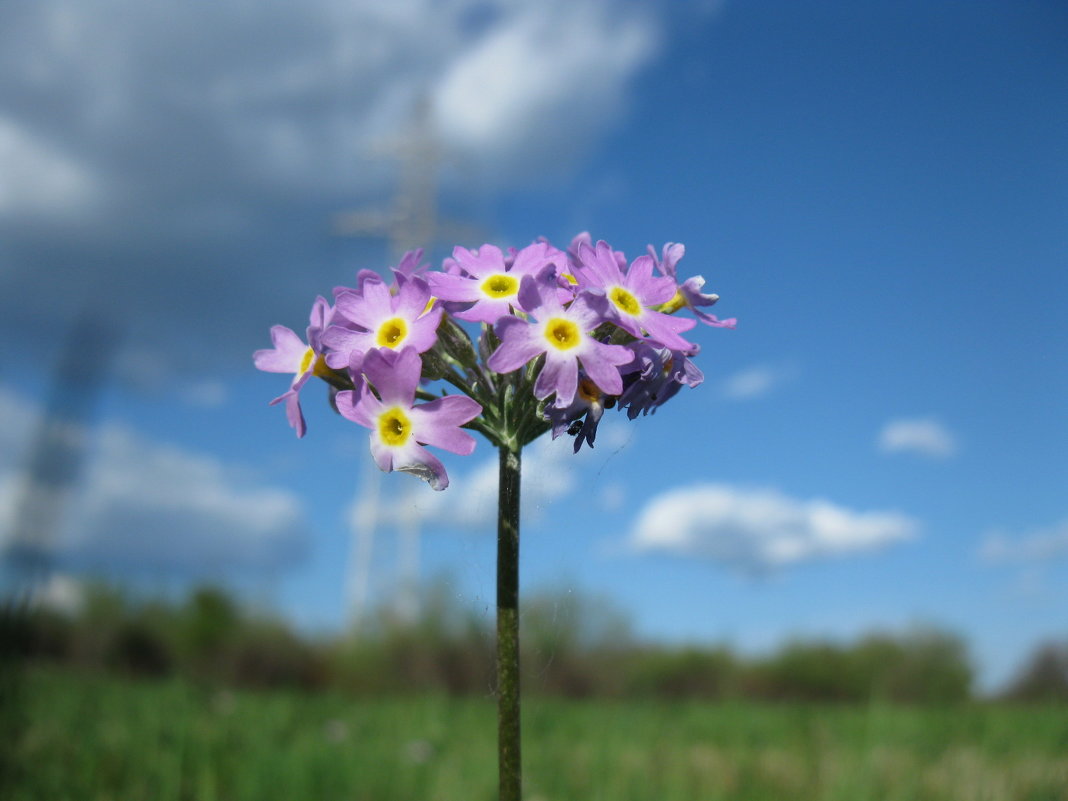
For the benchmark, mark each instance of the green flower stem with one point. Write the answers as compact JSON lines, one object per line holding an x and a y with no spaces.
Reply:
{"x":508,"y":751}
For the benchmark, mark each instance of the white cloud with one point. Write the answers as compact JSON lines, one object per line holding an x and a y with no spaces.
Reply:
{"x":206,"y":394}
{"x":168,"y":94}
{"x":142,"y":505}
{"x":759,"y":529}
{"x":922,"y":436}
{"x":509,"y":93}
{"x":1033,"y":547}
{"x":755,"y":382}
{"x":206,"y":146}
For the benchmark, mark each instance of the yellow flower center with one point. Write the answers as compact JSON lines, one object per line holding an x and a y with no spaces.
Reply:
{"x":588,"y":391}
{"x":673,"y":305}
{"x":316,"y":362}
{"x":562,"y":334}
{"x":500,"y":285}
{"x":394,"y":427}
{"x":625,"y":301}
{"x":392,"y":333}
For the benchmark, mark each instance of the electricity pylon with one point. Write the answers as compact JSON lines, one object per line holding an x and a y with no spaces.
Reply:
{"x":57,"y":451}
{"x":411,"y":222}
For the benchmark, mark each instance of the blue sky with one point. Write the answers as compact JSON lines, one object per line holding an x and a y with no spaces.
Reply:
{"x":878,"y":192}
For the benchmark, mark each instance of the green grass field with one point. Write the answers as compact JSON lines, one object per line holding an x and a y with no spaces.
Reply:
{"x":85,"y":737}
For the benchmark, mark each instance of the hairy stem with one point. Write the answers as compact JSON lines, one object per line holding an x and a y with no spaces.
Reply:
{"x":508,"y":750}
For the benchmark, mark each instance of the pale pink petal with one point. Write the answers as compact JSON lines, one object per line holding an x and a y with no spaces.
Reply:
{"x":560,"y":375}
{"x":665,"y":329}
{"x":520,"y":342}
{"x":423,"y":464}
{"x":394,"y":374}
{"x":454,"y":287}
{"x":286,"y":355}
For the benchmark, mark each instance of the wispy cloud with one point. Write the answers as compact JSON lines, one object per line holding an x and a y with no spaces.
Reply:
{"x":291,"y":98}
{"x":921,"y":436}
{"x":206,"y":394}
{"x":755,"y":382}
{"x":144,"y":505}
{"x":505,"y":91}
{"x":755,"y":530}
{"x":162,"y":159}
{"x":1030,"y":548}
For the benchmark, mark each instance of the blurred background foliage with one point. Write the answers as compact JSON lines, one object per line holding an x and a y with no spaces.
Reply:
{"x":574,"y":647}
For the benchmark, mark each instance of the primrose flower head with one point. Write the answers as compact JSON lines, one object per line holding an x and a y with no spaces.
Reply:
{"x":564,"y":336}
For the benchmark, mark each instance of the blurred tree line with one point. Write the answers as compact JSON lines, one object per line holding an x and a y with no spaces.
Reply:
{"x":573,"y":646}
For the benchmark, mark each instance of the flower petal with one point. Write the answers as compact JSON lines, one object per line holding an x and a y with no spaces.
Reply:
{"x":286,"y":355}
{"x":423,"y":464}
{"x":395,"y":375}
{"x":342,"y":342}
{"x":454,"y":287}
{"x":294,"y":414}
{"x":664,"y":329}
{"x":487,"y":260}
{"x":559,"y":375}
{"x":412,"y":298}
{"x":438,"y":423}
{"x":359,"y":407}
{"x":519,"y":344}
{"x":602,"y":363}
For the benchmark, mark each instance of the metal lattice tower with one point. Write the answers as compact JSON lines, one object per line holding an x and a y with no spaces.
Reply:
{"x":411,"y":222}
{"x":57,"y":451}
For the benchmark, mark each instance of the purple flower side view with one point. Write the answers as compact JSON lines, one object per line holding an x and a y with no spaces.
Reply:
{"x":689,"y":292}
{"x":581,"y":417}
{"x":291,"y":354}
{"x":632,"y":295}
{"x":399,"y":427}
{"x":656,"y":376}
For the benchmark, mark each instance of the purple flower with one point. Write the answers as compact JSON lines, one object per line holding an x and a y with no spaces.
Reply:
{"x":581,"y":417}
{"x":382,"y":320}
{"x":489,"y":280}
{"x":630,"y":295}
{"x":656,"y":375}
{"x":291,"y":354}
{"x":399,"y":428}
{"x":563,"y":335}
{"x":409,"y":264}
{"x":688,"y":293}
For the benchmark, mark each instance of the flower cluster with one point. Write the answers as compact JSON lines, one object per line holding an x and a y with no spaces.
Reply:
{"x":536,"y":339}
